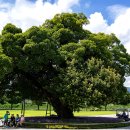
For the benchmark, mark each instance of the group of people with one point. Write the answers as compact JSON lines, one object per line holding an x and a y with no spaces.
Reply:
{"x":13,"y":121}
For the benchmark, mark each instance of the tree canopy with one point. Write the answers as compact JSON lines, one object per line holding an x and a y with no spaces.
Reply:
{"x":64,"y":64}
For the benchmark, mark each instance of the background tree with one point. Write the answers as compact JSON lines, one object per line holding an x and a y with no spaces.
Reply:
{"x":13,"y":95}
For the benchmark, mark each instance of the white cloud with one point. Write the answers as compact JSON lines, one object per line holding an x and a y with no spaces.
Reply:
{"x":97,"y":23}
{"x":66,"y":4}
{"x":25,"y":13}
{"x":121,"y":24}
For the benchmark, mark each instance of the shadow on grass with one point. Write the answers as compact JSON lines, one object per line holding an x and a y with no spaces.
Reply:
{"x":74,"y":123}
{"x":76,"y":119}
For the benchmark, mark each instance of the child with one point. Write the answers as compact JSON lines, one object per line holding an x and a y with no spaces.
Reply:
{"x":22,"y":119}
{"x":6,"y":118}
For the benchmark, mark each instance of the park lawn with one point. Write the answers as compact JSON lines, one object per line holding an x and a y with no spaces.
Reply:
{"x":29,"y":113}
{"x":93,"y":113}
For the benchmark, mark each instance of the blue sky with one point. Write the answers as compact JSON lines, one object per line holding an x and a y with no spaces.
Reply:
{"x":91,"y":6}
{"x":108,"y":16}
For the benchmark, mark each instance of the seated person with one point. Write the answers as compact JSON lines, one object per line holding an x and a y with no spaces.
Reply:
{"x":17,"y":120}
{"x":22,"y":119}
{"x":12,"y":120}
{"x":124,"y":115}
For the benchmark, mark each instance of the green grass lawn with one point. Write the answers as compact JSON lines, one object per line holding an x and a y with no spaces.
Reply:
{"x":43,"y":113}
{"x":93,"y":113}
{"x":27,"y":112}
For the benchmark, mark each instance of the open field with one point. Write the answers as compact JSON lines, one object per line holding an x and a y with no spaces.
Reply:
{"x":29,"y":113}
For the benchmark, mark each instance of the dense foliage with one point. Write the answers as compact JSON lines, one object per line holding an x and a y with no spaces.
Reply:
{"x":64,"y":64}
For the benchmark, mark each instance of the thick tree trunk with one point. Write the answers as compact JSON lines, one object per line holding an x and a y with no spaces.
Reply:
{"x":62,"y":110}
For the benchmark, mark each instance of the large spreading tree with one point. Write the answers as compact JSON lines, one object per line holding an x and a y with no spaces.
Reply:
{"x":64,"y":64}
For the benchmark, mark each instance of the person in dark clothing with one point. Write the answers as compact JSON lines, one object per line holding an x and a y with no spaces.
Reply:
{"x":12,"y":121}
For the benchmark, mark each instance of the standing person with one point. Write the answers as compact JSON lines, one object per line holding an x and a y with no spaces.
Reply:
{"x":17,"y":120}
{"x":12,"y":120}
{"x":22,"y":119}
{"x":6,"y":117}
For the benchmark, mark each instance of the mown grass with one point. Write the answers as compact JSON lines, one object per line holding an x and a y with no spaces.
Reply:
{"x":93,"y":113}
{"x":29,"y":113}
